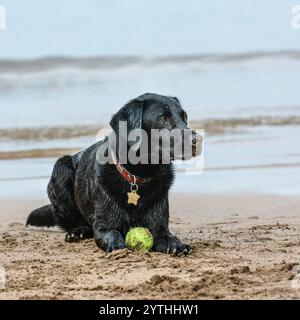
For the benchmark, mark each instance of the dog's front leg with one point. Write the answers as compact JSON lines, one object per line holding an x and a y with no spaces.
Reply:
{"x":109,"y":225}
{"x":164,"y":240}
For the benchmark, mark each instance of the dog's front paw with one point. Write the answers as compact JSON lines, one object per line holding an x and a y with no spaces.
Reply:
{"x":113,"y":240}
{"x":173,"y":246}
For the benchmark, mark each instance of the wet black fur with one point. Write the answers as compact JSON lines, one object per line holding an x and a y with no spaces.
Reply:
{"x":89,"y":199}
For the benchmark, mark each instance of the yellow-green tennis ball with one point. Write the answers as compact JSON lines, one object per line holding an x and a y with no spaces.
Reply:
{"x":139,"y":239}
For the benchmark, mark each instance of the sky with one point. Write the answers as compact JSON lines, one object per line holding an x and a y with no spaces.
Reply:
{"x":149,"y":28}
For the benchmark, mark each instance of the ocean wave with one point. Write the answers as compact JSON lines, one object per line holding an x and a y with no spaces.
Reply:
{"x":218,"y":126}
{"x":211,"y":127}
{"x":106,"y":62}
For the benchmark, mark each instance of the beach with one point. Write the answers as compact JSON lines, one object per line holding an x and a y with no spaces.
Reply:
{"x":245,"y":247}
{"x":234,"y":66}
{"x":240,"y":212}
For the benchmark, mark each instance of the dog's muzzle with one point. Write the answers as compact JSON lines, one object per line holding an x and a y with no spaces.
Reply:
{"x":190,"y":147}
{"x":196,"y":142}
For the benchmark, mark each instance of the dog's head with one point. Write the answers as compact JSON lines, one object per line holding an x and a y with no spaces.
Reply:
{"x":161,"y":121}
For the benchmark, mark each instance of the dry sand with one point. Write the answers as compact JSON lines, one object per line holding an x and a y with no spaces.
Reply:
{"x":244,"y":247}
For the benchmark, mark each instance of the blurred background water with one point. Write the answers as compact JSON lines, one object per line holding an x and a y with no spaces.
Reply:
{"x":65,"y":67}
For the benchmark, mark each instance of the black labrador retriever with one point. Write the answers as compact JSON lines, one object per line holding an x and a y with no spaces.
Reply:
{"x":104,"y":200}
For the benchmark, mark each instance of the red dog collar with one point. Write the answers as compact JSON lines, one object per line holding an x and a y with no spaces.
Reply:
{"x":131,"y":178}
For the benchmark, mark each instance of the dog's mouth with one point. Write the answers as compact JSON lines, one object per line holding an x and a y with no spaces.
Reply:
{"x":196,"y":149}
{"x":194,"y":152}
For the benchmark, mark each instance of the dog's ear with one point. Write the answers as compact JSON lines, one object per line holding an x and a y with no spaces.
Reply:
{"x":176,"y":99}
{"x":132,"y":112}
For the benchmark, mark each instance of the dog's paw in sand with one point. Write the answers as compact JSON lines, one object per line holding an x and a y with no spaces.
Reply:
{"x":79,"y":234}
{"x":173,"y":246}
{"x":109,"y":240}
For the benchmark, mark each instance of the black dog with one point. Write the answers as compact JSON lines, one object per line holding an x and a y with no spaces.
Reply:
{"x":90,"y":199}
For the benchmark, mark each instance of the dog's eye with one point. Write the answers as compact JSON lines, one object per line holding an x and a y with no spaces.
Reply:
{"x":184,"y":116}
{"x":165,"y":117}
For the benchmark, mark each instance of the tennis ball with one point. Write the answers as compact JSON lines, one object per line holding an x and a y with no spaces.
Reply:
{"x":139,"y":239}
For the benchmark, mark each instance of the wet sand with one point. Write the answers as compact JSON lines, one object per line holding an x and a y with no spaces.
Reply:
{"x":245,"y":247}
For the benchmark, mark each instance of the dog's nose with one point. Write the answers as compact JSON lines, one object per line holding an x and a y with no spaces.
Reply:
{"x":196,"y":138}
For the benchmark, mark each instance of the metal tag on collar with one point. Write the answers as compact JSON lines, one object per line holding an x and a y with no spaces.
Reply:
{"x":133,"y":196}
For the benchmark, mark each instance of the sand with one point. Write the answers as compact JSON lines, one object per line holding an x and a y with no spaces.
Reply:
{"x":245,"y":247}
